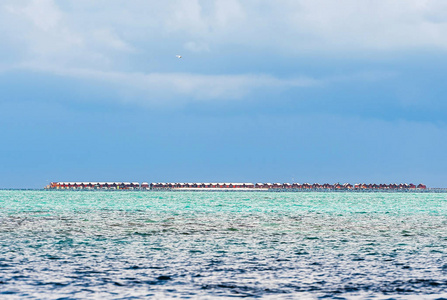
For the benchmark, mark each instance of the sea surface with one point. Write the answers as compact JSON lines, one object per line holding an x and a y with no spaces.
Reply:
{"x":206,"y":245}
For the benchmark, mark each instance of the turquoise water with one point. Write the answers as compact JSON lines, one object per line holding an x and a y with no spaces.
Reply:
{"x":129,"y":245}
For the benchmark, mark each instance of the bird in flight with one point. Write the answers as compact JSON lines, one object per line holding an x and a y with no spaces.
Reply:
{"x":178,"y":56}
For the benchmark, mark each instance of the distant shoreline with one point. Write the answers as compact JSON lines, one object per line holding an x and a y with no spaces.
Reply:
{"x":418,"y":191}
{"x":235,"y":186}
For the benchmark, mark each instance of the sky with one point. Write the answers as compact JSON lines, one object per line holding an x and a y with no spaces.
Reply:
{"x":265,"y":91}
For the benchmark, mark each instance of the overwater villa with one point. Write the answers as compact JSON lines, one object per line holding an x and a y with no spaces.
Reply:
{"x":230,"y":186}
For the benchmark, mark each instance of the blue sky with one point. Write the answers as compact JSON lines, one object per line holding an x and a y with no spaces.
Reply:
{"x":304,"y":91}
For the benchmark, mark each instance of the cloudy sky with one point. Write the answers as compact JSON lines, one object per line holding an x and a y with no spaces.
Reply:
{"x":266,"y":91}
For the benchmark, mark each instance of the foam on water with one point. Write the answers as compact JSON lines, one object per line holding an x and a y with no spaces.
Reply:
{"x":204,"y":245}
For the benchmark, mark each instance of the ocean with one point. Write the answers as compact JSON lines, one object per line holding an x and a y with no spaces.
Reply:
{"x":206,"y":245}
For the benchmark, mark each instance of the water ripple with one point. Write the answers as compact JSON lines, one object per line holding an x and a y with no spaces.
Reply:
{"x":199,"y":245}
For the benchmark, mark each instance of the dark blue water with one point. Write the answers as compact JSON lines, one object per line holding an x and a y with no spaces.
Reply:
{"x":130,"y":245}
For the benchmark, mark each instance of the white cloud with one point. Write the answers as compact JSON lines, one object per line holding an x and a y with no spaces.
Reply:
{"x":42,"y":13}
{"x":109,"y":39}
{"x":44,"y":33}
{"x":178,"y":88}
{"x":371,"y":25}
{"x":96,"y":39}
{"x":196,"y":46}
{"x":89,"y":29}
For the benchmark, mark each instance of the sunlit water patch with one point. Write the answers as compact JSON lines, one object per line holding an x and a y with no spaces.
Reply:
{"x":202,"y":245}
